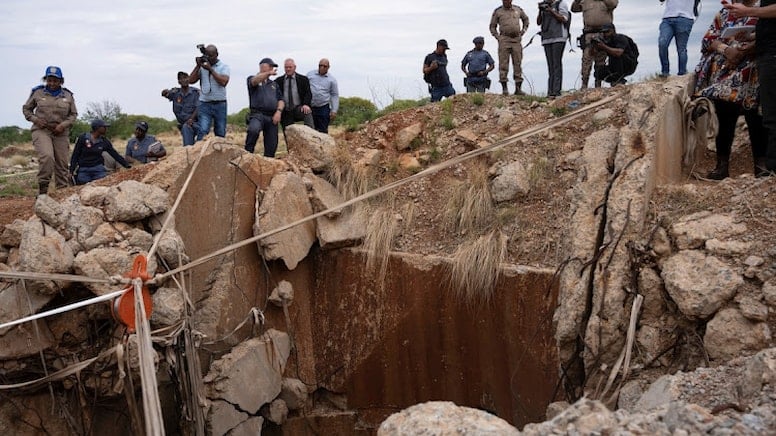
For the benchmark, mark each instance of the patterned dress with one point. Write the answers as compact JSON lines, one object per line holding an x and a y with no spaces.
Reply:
{"x":715,"y":79}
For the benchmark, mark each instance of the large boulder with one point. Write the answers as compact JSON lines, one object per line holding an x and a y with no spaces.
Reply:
{"x":128,"y":201}
{"x":694,"y":230}
{"x":258,"y":363}
{"x":699,"y":284}
{"x":44,"y":250}
{"x":444,"y":418}
{"x":729,"y":334}
{"x":312,"y":149}
{"x":285,"y":201}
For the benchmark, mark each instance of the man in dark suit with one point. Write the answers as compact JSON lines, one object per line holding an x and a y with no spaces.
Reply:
{"x":297,"y":95}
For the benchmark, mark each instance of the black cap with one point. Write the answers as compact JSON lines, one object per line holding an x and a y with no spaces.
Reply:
{"x":478,"y":40}
{"x":268,"y":61}
{"x":608,"y":26}
{"x":142,"y":125}
{"x":182,"y":74}
{"x":443,"y":43}
{"x":96,"y":124}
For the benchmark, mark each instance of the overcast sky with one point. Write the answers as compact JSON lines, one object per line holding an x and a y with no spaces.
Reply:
{"x":127,"y":52}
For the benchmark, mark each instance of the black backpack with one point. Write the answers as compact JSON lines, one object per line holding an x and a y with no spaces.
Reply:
{"x":632,"y":51}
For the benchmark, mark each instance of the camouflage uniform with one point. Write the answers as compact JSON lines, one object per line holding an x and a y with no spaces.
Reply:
{"x":53,"y":149}
{"x":512,"y":23}
{"x":595,"y":13}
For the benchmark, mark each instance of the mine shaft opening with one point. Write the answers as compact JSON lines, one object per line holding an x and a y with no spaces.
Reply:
{"x":385,"y":348}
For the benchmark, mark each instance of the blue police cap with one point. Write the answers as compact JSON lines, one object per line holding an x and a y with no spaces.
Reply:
{"x":54,"y":72}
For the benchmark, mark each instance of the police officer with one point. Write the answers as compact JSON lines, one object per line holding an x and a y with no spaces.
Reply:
{"x":185,"y":103}
{"x":87,"y":163}
{"x":266,"y":107}
{"x":508,"y":24}
{"x":476,"y":65}
{"x":51,"y":109}
{"x":143,"y":147}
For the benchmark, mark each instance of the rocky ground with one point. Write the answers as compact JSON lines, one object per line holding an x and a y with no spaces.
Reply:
{"x":532,"y":183}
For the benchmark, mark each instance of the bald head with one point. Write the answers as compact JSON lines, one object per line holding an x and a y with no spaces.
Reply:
{"x":323,"y":66}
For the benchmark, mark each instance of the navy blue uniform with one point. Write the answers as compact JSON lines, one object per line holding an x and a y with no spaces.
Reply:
{"x":264,"y":100}
{"x":87,"y":158}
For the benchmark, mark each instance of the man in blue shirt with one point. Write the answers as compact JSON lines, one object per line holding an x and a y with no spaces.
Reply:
{"x":142,"y":147}
{"x":435,"y":72}
{"x":325,"y":101}
{"x":185,"y":101}
{"x":476,"y":65}
{"x":266,"y":106}
{"x":213,"y":76}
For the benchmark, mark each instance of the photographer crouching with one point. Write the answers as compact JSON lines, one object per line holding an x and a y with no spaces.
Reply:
{"x":554,"y":19}
{"x":213,"y":76}
{"x":622,"y":55}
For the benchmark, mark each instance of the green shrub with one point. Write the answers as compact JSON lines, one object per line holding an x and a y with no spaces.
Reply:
{"x":354,"y":111}
{"x":238,"y":119}
{"x":477,"y":99}
{"x":13,"y":135}
{"x":400,"y":105}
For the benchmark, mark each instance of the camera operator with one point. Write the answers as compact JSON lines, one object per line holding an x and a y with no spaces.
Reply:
{"x":554,"y":19}
{"x":595,"y":13}
{"x":213,"y":76}
{"x":621,"y":62}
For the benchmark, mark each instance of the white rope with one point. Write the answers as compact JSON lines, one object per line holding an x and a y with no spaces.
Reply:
{"x":29,"y":275}
{"x":152,"y":408}
{"x":63,"y":309}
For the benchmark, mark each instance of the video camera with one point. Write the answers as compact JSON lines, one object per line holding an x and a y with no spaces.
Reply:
{"x":202,"y":59}
{"x":597,"y":40}
{"x":545,"y":5}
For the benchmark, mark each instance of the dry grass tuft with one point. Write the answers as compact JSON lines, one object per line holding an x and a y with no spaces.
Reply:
{"x":470,"y":206}
{"x":381,"y":230}
{"x":475,"y":268}
{"x":18,"y":159}
{"x":350,"y":180}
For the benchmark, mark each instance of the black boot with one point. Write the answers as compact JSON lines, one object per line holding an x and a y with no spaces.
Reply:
{"x":518,"y":91}
{"x":504,"y":90}
{"x":42,"y":188}
{"x":721,"y":170}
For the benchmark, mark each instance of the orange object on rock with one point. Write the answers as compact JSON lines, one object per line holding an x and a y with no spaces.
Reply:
{"x":123,"y":308}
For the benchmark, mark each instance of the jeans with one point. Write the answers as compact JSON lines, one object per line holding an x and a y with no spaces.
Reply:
{"x":212,"y":112}
{"x":766,"y":64}
{"x":554,"y":54}
{"x":437,"y":92}
{"x":670,"y":28}
{"x":321,"y":118}
{"x":189,"y":133}
{"x":87,"y":174}
{"x":258,"y":123}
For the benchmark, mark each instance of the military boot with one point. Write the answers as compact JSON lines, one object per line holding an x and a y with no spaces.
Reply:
{"x":43,"y":188}
{"x":504,"y":90}
{"x":721,"y":170}
{"x":760,"y":169}
{"x":518,"y":91}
